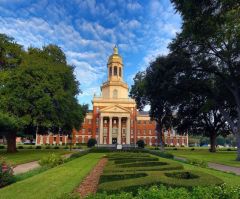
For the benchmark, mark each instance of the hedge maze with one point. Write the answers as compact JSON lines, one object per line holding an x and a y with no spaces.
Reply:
{"x":129,"y":171}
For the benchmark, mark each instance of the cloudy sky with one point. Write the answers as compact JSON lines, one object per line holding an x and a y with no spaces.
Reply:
{"x":87,"y":30}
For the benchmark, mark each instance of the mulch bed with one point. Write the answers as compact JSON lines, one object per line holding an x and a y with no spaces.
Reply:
{"x":90,"y":183}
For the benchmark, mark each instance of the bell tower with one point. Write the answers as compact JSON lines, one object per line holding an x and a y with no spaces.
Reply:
{"x":115,"y":88}
{"x":115,"y":66}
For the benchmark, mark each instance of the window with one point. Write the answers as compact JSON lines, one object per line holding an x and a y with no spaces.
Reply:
{"x":83,"y":131}
{"x":139,"y":131}
{"x":60,"y":139}
{"x":97,"y":121}
{"x":139,"y":122}
{"x":115,"y":93}
{"x":54,"y":139}
{"x":144,"y":132}
{"x":110,"y":71}
{"x":131,"y":122}
{"x":89,"y":121}
{"x":131,"y":132}
{"x":150,"y":132}
{"x":89,"y":131}
{"x":115,"y":71}
{"x":120,"y":72}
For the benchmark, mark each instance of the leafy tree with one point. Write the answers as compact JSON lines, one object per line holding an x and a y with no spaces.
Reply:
{"x":140,"y":144}
{"x":157,"y":87}
{"x":91,"y":142}
{"x":41,"y":93}
{"x":210,"y":37}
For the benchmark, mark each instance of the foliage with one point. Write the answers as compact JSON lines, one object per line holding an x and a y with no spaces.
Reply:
{"x":162,"y":154}
{"x":121,"y":174}
{"x":6,"y":174}
{"x":91,"y":142}
{"x":162,"y":192}
{"x":38,"y":147}
{"x":140,"y":144}
{"x":51,"y":160}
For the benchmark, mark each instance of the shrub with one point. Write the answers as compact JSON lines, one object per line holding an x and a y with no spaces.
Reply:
{"x":91,"y":142}
{"x":182,"y":175}
{"x":196,"y":162}
{"x":38,"y":147}
{"x":2,"y":147}
{"x":66,"y":147}
{"x":6,"y":174}
{"x":162,"y":154}
{"x":192,"y":149}
{"x":56,"y":147}
{"x":30,"y":147}
{"x":48,"y":147}
{"x":51,"y":160}
{"x":20,"y":147}
{"x":175,"y":149}
{"x":140,"y":144}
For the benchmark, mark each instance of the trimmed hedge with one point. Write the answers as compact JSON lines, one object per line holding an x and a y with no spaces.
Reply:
{"x":125,"y":172}
{"x":162,"y":192}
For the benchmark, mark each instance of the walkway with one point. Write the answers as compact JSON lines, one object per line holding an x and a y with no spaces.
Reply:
{"x":220,"y":167}
{"x":90,"y":183}
{"x":22,"y":168}
{"x":225,"y":168}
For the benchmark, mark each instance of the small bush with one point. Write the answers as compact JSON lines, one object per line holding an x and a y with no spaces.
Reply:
{"x":192,"y":149}
{"x":162,"y":154}
{"x":6,"y":174}
{"x":30,"y":147}
{"x":175,"y":149}
{"x":140,"y":144}
{"x":66,"y":147}
{"x":38,"y":147}
{"x":20,"y":147}
{"x":2,"y":147}
{"x":196,"y":162}
{"x":91,"y":142}
{"x":56,"y":147}
{"x":229,"y":149}
{"x":78,"y":154}
{"x":51,"y":160}
{"x":48,"y":147}
{"x":182,"y":175}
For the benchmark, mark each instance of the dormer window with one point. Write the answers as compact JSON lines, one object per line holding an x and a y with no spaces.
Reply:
{"x":120,"y":72}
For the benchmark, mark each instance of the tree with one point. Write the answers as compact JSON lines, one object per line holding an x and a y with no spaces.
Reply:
{"x":199,"y":117}
{"x":41,"y":92}
{"x":157,"y":87}
{"x":91,"y":142}
{"x":210,"y":37}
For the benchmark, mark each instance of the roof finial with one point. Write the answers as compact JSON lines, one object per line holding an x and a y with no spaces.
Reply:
{"x":115,"y":49}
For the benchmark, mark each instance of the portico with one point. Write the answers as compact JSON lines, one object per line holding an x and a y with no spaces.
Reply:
{"x":114,"y":125}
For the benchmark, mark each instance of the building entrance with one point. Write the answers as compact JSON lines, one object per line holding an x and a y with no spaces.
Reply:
{"x":114,"y":140}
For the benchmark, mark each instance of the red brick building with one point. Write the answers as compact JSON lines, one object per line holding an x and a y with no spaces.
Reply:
{"x":114,"y":118}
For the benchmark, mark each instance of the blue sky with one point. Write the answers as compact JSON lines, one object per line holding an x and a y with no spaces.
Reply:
{"x":87,"y":30}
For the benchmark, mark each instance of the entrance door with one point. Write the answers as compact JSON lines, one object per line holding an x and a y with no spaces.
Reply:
{"x":114,"y":140}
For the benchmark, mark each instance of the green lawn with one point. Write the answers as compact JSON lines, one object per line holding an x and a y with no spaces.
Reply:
{"x":28,"y":155}
{"x":52,"y":183}
{"x":221,"y":157}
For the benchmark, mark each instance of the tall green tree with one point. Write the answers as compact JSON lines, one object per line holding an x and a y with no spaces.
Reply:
{"x":210,"y":37}
{"x":157,"y":87}
{"x":40,"y":94}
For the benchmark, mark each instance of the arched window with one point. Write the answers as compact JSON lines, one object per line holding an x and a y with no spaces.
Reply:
{"x":115,"y":93}
{"x":120,"y":72}
{"x":115,"y":71}
{"x":110,"y":71}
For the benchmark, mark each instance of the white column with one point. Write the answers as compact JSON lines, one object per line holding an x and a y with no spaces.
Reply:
{"x":110,"y":130}
{"x":128,"y":131}
{"x":119,"y":131}
{"x":101,"y":130}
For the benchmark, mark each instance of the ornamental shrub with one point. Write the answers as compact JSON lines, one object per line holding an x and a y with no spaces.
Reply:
{"x":91,"y":142}
{"x":6,"y":174}
{"x":20,"y":147}
{"x":2,"y":147}
{"x":51,"y":160}
{"x":38,"y":147}
{"x":140,"y":144}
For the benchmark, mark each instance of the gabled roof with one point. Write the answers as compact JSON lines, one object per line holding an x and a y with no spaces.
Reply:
{"x":115,"y":109}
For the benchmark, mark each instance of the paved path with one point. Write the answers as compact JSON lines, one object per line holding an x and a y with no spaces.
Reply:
{"x":22,"y":168}
{"x":90,"y":183}
{"x":225,"y":168}
{"x":220,"y":167}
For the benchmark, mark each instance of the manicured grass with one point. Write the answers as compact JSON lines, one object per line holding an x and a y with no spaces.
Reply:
{"x":138,"y":172}
{"x":52,"y":183}
{"x":221,"y":157}
{"x":28,"y":155}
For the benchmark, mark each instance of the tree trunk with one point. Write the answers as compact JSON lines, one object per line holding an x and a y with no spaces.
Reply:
{"x":161,"y":141}
{"x":213,"y":139}
{"x":238,"y":145}
{"x":11,"y":142}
